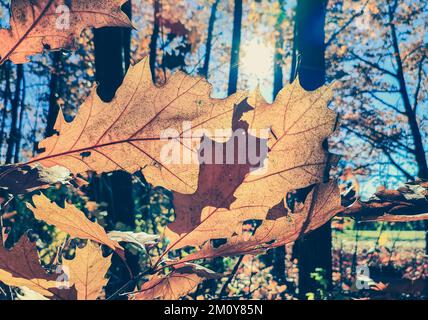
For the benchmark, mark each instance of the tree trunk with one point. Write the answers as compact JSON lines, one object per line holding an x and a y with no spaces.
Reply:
{"x":205,"y":69}
{"x":314,"y":251}
{"x":155,"y":37}
{"x":278,"y":81}
{"x":6,"y":100}
{"x":294,"y":58}
{"x":126,"y":36}
{"x":236,"y":43}
{"x":278,"y":270}
{"x":53,"y":91}
{"x":13,"y":134}
{"x":21,"y":121}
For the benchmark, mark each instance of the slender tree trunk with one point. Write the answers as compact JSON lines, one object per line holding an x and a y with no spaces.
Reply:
{"x":314,"y":251}
{"x":278,"y":270}
{"x":205,"y":68}
{"x":126,"y":36}
{"x":294,"y":59}
{"x":236,"y":44}
{"x":53,"y":91}
{"x":34,"y":133}
{"x":155,"y":37}
{"x":6,"y":100}
{"x":278,"y":81}
{"x":13,"y":134}
{"x":21,"y":121}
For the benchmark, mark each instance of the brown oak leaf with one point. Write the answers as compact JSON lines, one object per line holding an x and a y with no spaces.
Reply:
{"x":299,"y":122}
{"x":134,"y":132}
{"x":87,"y":271}
{"x":54,"y":24}
{"x":180,"y":282}
{"x":70,"y":220}
{"x":20,"y":267}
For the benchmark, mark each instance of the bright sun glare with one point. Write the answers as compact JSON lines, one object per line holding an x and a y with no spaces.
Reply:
{"x":257,"y":59}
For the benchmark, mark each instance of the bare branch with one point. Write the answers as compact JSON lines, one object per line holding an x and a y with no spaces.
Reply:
{"x":374,"y":65}
{"x":384,"y":150}
{"x":374,"y":96}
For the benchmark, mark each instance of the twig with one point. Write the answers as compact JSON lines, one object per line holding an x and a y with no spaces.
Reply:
{"x":129,"y":282}
{"x":231,"y":276}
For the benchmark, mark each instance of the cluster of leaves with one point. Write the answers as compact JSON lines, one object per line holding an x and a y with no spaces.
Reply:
{"x":212,"y":201}
{"x":128,"y":137}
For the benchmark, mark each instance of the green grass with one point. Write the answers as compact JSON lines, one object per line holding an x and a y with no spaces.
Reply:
{"x":373,"y":235}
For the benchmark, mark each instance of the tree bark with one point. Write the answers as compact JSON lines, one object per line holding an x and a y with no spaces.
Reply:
{"x":6,"y":99}
{"x":205,"y":69}
{"x":278,"y":270}
{"x":278,"y":81}
{"x":236,"y":43}
{"x":154,"y":38}
{"x":15,"y":103}
{"x":21,"y":121}
{"x":314,"y":251}
{"x":53,"y":91}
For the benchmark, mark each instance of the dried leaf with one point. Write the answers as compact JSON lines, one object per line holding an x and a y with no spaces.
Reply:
{"x":216,"y":186}
{"x":300,"y":122}
{"x":70,"y":220}
{"x":54,"y":24}
{"x":20,"y":267}
{"x":183,"y":280}
{"x":296,"y":118}
{"x":129,"y":136}
{"x":87,"y":271}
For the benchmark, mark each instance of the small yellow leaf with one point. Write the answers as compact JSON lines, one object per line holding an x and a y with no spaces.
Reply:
{"x":87,"y":271}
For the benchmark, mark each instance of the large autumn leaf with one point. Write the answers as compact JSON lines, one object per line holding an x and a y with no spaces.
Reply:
{"x":299,"y":122}
{"x":87,"y":271}
{"x":218,"y":180}
{"x":20,"y":267}
{"x":44,"y":24}
{"x":70,"y":220}
{"x":180,"y":282}
{"x":130,"y":132}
